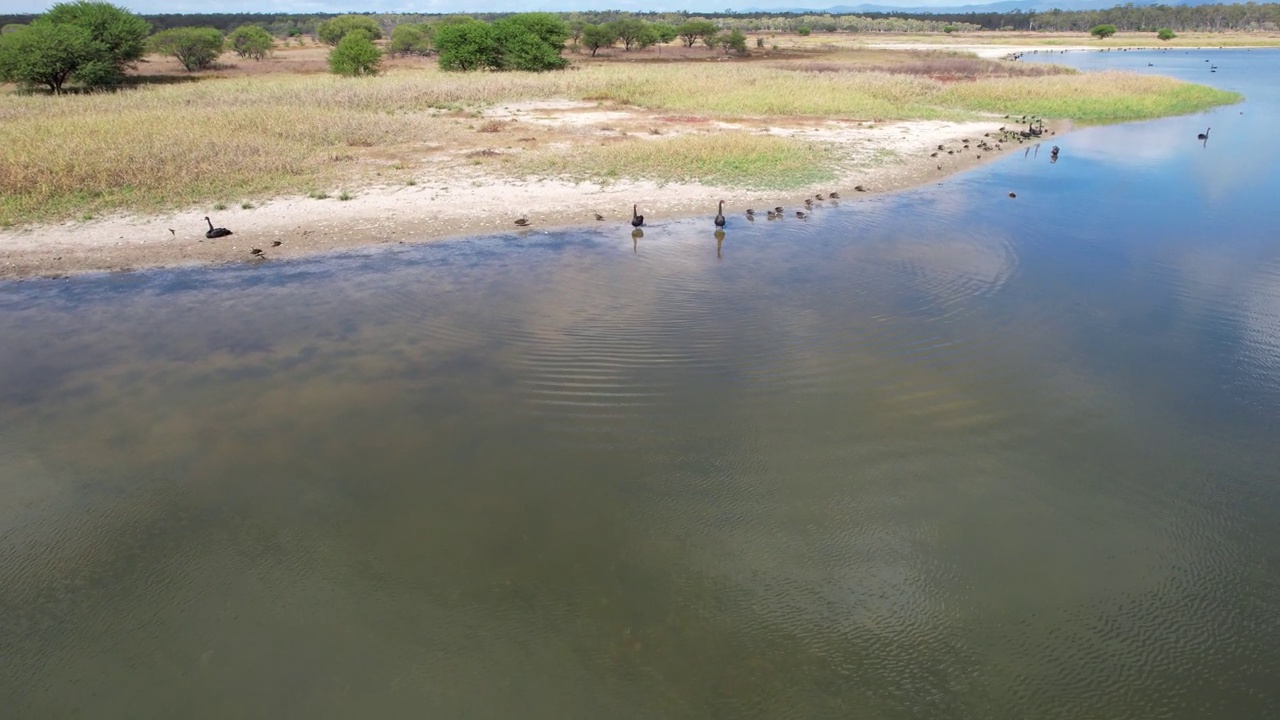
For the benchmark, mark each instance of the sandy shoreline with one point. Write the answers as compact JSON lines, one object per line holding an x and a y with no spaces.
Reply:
{"x":462,"y":202}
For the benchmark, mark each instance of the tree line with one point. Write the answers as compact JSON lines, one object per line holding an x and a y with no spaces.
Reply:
{"x":1128,"y":17}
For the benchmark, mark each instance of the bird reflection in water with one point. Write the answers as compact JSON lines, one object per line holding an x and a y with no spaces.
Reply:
{"x":635,"y":239}
{"x":719,"y":243}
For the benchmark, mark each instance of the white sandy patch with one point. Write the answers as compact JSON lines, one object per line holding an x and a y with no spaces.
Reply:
{"x":462,"y":200}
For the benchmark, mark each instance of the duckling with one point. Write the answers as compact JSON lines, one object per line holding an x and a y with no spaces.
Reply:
{"x":522,"y":222}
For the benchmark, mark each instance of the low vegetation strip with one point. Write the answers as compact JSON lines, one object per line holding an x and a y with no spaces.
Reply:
{"x":753,"y":162}
{"x":171,"y":145}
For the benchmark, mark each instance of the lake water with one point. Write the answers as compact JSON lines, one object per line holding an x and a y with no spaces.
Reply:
{"x":944,"y":454}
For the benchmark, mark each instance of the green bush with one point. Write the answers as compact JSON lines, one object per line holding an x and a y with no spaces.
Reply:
{"x":355,"y":55}
{"x":804,"y":30}
{"x":466,"y":46}
{"x":526,"y":41}
{"x":196,"y":48}
{"x":733,"y":41}
{"x":45,"y":54}
{"x":11,"y":28}
{"x":695,"y":30}
{"x":122,"y":34}
{"x":410,"y":39}
{"x":948,"y":29}
{"x":251,"y":41}
{"x":1103,"y":31}
{"x":1166,"y":34}
{"x":633,"y":32}
{"x":332,"y":31}
{"x":530,"y":41}
{"x":39,"y":55}
{"x":663,"y":32}
{"x":595,"y":37}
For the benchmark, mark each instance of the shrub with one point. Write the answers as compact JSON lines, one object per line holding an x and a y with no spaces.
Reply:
{"x":410,"y":39}
{"x":117,"y":39}
{"x":251,"y":41}
{"x":694,"y":30}
{"x":196,"y":48}
{"x":466,"y":46}
{"x":1166,"y":34}
{"x":332,"y":31}
{"x":595,"y":37}
{"x":121,"y":33}
{"x":733,"y":41}
{"x":45,"y":54}
{"x":804,"y":30}
{"x":11,"y":28}
{"x":948,"y":29}
{"x":530,"y":41}
{"x":633,"y":32}
{"x":1103,"y":31}
{"x":355,"y":55}
{"x":663,"y":33}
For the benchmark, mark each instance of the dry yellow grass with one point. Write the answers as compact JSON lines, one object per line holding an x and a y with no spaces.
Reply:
{"x":226,"y":139}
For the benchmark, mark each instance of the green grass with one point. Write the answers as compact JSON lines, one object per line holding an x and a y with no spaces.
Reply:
{"x":1090,"y":98}
{"x":735,"y":160}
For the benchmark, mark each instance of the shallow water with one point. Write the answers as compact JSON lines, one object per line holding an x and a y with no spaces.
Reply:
{"x":941,"y":454}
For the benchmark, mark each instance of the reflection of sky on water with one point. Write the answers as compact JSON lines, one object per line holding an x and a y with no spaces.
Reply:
{"x":944,"y":450}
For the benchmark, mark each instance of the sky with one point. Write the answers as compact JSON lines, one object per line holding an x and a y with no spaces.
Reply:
{"x":303,"y":7}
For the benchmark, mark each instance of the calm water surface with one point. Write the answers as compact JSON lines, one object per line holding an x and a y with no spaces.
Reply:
{"x":943,"y":454}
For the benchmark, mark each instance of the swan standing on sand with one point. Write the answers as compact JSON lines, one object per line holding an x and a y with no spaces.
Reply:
{"x":636,"y":219}
{"x":214,"y":232}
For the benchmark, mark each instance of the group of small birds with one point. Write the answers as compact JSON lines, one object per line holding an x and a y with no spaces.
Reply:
{"x":637,"y":220}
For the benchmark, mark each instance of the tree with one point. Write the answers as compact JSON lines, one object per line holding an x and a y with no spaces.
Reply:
{"x":694,"y":30}
{"x":595,"y":37}
{"x":410,"y":39}
{"x":804,"y":30}
{"x":466,"y":46}
{"x":333,"y":30}
{"x":1166,"y":34}
{"x":576,"y":26}
{"x":123,"y":34}
{"x":948,"y":29}
{"x":45,"y":54}
{"x":631,"y":31}
{"x":196,"y":48}
{"x":733,"y":41}
{"x":355,"y":55}
{"x":251,"y":41}
{"x":663,"y":32}
{"x":530,"y":42}
{"x":1103,"y":31}
{"x":120,"y":37}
